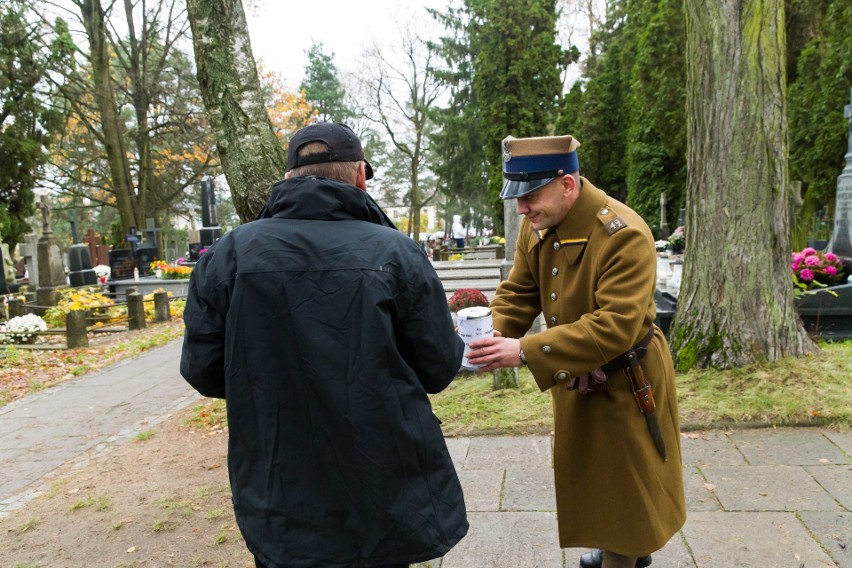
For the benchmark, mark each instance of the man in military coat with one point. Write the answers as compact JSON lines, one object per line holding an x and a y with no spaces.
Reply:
{"x":587,"y":263}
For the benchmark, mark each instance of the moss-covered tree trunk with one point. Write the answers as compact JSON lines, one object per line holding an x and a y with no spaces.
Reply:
{"x":249,"y":151}
{"x":736,"y":303}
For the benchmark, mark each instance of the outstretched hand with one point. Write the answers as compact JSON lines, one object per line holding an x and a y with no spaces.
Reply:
{"x":495,"y":352}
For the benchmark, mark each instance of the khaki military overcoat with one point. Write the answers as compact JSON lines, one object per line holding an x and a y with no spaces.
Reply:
{"x":593,"y":279}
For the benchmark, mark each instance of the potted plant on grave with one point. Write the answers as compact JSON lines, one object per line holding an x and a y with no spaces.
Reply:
{"x":22,"y":329}
{"x":677,"y":241}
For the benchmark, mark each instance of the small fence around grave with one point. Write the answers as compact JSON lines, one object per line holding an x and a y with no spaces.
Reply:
{"x":94,"y":319}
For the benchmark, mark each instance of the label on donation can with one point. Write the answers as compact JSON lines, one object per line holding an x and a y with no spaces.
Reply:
{"x":474,"y":323}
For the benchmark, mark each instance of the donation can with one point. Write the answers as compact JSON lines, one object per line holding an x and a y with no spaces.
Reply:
{"x":474,"y":323}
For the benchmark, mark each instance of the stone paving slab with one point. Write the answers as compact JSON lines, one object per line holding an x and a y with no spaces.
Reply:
{"x":458,"y":448}
{"x":482,"y":489}
{"x":768,"y":488}
{"x":529,"y":490}
{"x":699,"y":493}
{"x":837,"y":480}
{"x":504,"y":452}
{"x":752,"y":540}
{"x":834,"y":531}
{"x":698,"y":448}
{"x":842,"y":440}
{"x":787,"y":446}
{"x":503,"y":540}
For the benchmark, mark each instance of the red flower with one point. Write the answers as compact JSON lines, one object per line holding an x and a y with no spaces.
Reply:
{"x":466,"y":298}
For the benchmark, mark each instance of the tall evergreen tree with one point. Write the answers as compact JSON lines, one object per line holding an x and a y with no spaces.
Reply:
{"x":323,"y":88}
{"x":597,"y":116}
{"x":818,"y":131}
{"x":517,"y":76}
{"x":27,"y":118}
{"x":656,"y":133}
{"x":459,"y":162}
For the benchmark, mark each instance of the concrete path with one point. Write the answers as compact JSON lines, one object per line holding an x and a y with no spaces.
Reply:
{"x":756,"y":498}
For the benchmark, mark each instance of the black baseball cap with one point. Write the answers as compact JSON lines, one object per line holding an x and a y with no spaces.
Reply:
{"x":343,"y":146}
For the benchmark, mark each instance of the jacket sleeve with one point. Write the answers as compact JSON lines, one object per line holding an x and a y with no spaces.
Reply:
{"x":518,"y":300}
{"x":425,"y":334}
{"x":202,"y":361}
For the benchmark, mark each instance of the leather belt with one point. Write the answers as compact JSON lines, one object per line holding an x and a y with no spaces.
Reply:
{"x":595,"y":380}
{"x":640,"y":348}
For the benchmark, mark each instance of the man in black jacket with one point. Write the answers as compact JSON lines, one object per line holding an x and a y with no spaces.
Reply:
{"x":324,"y":328}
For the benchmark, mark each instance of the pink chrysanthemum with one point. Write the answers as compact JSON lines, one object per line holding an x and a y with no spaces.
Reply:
{"x":830,"y":257}
{"x":809,"y":251}
{"x":798,"y":257}
{"x":812,"y":261}
{"x":794,"y":266}
{"x":830,"y":270}
{"x":806,"y":275}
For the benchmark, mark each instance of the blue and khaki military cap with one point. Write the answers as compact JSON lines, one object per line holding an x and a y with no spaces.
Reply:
{"x":530,"y":163}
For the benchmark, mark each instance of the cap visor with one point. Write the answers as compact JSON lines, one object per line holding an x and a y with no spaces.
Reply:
{"x":515,"y":189}
{"x":369,"y":169}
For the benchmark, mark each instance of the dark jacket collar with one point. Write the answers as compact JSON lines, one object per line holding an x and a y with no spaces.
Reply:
{"x":310,"y":197}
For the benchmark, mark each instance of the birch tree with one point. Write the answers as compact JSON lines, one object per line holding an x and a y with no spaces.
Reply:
{"x":248,"y":149}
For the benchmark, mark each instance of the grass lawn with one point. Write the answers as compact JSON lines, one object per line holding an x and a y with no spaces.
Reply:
{"x":815,"y":390}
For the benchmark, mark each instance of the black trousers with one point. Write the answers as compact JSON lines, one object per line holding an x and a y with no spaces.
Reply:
{"x":259,"y":564}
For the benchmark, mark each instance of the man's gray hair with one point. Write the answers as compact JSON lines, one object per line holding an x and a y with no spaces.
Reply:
{"x":341,"y":171}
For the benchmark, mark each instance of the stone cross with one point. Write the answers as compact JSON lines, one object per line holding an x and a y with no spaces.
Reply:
{"x":45,"y":214}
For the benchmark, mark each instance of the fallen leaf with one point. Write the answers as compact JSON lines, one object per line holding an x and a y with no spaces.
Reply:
{"x":131,"y":549}
{"x":213,"y":466}
{"x":823,"y":460}
{"x":709,"y":487}
{"x":763,"y":494}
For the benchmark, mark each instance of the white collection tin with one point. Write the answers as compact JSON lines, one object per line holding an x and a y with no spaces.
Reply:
{"x":474,"y":323}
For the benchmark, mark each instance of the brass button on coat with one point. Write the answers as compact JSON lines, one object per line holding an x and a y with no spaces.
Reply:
{"x":553,"y":295}
{"x":553,"y":320}
{"x":556,"y":246}
{"x":604,"y":211}
{"x":554,"y":271}
{"x":546,"y":349}
{"x":561,"y":376}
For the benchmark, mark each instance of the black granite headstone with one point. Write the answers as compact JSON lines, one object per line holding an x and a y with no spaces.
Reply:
{"x":121,"y":264}
{"x":144,"y":257}
{"x":80,"y":271}
{"x":194,"y":250}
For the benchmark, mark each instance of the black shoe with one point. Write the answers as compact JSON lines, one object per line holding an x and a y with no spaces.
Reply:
{"x":594,"y":559}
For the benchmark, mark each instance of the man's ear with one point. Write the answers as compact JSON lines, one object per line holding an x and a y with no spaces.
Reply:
{"x":288,"y":175}
{"x":361,"y":177}
{"x":569,"y":183}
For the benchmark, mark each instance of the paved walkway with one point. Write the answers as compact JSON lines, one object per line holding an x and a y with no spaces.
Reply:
{"x":756,"y":498}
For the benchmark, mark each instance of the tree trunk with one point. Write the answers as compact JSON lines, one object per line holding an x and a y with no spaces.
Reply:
{"x":111,"y":124}
{"x":736,"y":302}
{"x":248,"y":149}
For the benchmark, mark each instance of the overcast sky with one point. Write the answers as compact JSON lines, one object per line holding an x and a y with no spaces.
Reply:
{"x":282,"y":32}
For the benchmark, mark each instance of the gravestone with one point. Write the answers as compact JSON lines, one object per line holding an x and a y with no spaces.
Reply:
{"x":841,"y":238}
{"x":51,"y":270}
{"x":80,"y":271}
{"x":122,"y":262}
{"x":194,"y":251}
{"x":210,"y":230}
{"x":144,"y":257}
{"x":98,"y":252}
{"x":29,"y":250}
{"x":7,"y":280}
{"x":148,"y":251}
